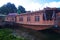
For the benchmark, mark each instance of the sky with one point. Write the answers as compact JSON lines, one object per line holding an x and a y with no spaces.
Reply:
{"x":33,"y":5}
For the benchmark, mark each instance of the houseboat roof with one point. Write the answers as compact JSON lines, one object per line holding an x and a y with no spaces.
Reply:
{"x":35,"y":12}
{"x":13,"y":14}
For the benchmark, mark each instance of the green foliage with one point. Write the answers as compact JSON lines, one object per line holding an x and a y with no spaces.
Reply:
{"x":8,"y":8}
{"x":21,"y":9}
{"x":18,"y":11}
{"x":6,"y":34}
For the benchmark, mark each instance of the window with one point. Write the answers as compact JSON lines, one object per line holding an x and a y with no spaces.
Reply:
{"x":21,"y":19}
{"x":58,"y":18}
{"x":7,"y":18}
{"x":28,"y":19}
{"x":12,"y":19}
{"x":37,"y":18}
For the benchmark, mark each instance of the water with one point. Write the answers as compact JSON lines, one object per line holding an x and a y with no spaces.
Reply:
{"x":37,"y":35}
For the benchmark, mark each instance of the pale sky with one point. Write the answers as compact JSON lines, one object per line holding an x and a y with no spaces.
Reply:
{"x":33,"y":5}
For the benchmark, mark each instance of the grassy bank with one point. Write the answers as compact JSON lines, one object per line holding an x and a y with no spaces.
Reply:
{"x":6,"y":34}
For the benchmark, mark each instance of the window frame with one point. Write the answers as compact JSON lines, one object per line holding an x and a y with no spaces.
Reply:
{"x":20,"y":18}
{"x":37,"y":18}
{"x":28,"y":18}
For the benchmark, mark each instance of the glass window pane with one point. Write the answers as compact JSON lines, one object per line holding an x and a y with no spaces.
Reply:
{"x":21,"y":19}
{"x":37,"y":18}
{"x":28,"y":18}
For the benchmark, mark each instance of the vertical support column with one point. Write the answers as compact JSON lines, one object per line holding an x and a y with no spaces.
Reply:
{"x":15,"y":19}
{"x":55,"y":21}
{"x":45,"y":15}
{"x":44,"y":18}
{"x":53,"y":15}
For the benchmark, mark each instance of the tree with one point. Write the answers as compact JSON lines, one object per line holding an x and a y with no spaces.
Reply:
{"x":4,"y":9}
{"x":21,"y":9}
{"x":0,"y":10}
{"x":8,"y":8}
{"x":11,"y":8}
